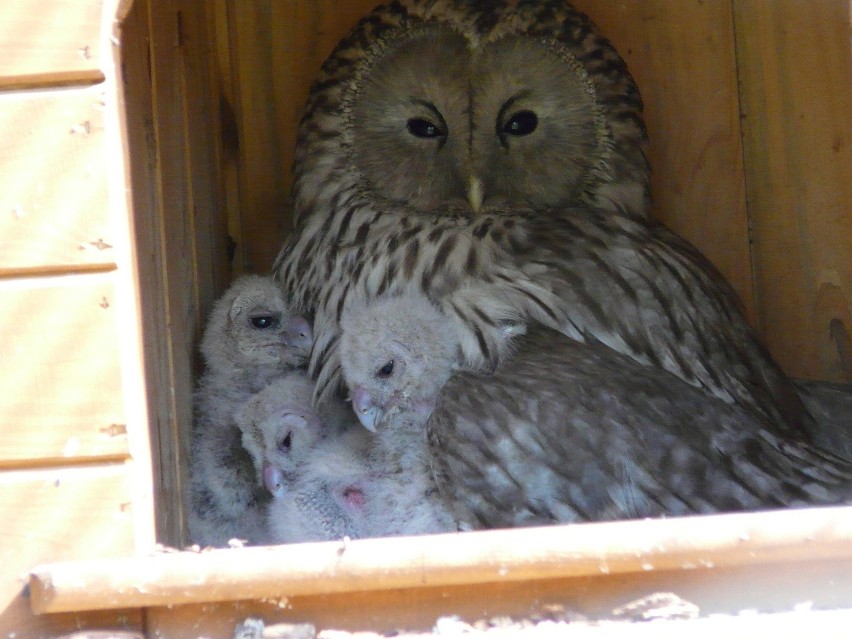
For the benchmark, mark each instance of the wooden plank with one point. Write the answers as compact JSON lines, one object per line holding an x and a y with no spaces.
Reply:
{"x":41,"y":36}
{"x":739,"y":592}
{"x":686,"y":544}
{"x":795,"y":66}
{"x":54,"y":213}
{"x":129,"y":313}
{"x":51,"y":80}
{"x":60,"y":392}
{"x":58,"y":514}
{"x":277,"y":49}
{"x":202,"y":113}
{"x":152,"y":273}
{"x":229,"y":142}
{"x":181,"y":220}
{"x":180,"y":227}
{"x":682,"y":56}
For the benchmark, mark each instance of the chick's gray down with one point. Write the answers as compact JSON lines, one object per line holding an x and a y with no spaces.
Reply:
{"x":251,"y":338}
{"x":330,"y":478}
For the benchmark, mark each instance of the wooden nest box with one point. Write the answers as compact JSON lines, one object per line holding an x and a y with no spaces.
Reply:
{"x":142,"y":140}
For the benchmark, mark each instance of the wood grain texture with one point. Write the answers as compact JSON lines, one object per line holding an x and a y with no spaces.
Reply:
{"x":41,"y":36}
{"x":795,"y":66}
{"x":51,"y":80}
{"x":682,"y":56}
{"x":680,"y":544}
{"x":129,"y":313}
{"x":179,"y":225}
{"x":54,"y":212}
{"x":54,"y":515}
{"x":60,"y":391}
{"x":168,"y":341}
{"x":149,"y":253}
{"x":723,"y":591}
{"x":276,"y":49}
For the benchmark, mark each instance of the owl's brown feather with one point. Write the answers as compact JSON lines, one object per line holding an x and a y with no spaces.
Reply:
{"x":592,"y":275}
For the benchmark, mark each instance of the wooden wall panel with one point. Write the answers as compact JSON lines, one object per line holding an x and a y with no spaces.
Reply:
{"x":276,"y":50}
{"x":53,"y":187}
{"x":68,"y":323}
{"x":56,"y":40}
{"x":795,"y":65}
{"x":682,"y":56}
{"x":60,"y":391}
{"x":179,"y":224}
{"x":54,"y":515}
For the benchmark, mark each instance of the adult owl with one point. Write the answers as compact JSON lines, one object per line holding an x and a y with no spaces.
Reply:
{"x":492,"y":155}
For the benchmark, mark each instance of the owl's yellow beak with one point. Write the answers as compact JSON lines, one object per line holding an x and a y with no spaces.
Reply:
{"x":474,"y":193}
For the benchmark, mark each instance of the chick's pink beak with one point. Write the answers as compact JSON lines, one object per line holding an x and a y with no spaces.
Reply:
{"x":365,"y":409}
{"x":298,"y":333}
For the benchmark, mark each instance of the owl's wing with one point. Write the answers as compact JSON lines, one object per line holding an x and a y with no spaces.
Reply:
{"x":831,"y":406}
{"x":570,"y":432}
{"x":647,"y":293}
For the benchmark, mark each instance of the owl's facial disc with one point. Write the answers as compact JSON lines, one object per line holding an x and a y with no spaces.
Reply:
{"x":409,"y":119}
{"x":535,"y":136}
{"x":437,"y":123}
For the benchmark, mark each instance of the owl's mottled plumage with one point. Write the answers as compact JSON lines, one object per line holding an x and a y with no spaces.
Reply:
{"x":566,"y":431}
{"x":418,"y":112}
{"x":492,"y":156}
{"x":251,"y":338}
{"x":831,"y":406}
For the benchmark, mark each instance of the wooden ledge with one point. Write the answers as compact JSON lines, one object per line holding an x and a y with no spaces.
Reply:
{"x":52,"y":80}
{"x":677,"y":544}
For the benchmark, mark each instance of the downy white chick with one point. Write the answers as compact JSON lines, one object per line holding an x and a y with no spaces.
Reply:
{"x":251,"y":338}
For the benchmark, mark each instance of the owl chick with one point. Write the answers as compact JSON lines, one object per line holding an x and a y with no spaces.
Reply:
{"x":251,"y":337}
{"x":285,"y":439}
{"x":330,"y":480}
{"x":566,"y":431}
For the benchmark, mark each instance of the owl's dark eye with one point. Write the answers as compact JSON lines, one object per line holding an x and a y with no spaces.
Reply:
{"x":386,"y":370}
{"x":262,"y":322}
{"x":421,"y":128}
{"x":521,"y":123}
{"x":285,"y":444}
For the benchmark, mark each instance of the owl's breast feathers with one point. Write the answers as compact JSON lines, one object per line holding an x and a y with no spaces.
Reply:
{"x":592,"y":275}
